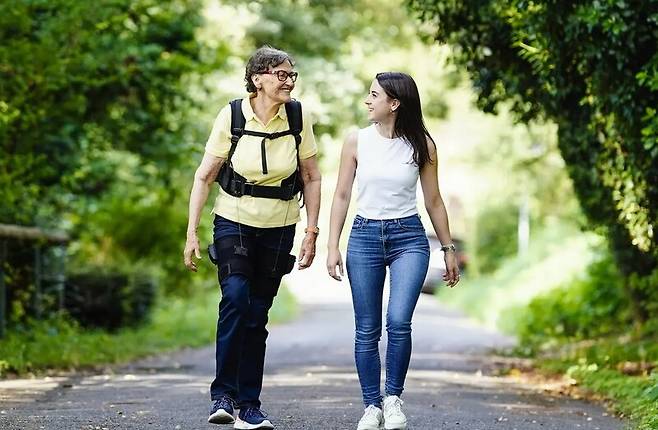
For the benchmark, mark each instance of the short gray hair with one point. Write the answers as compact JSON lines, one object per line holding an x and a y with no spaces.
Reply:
{"x":264,"y":58}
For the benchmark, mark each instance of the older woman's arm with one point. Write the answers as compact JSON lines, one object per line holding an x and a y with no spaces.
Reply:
{"x":312,"y":179}
{"x":203,"y":179}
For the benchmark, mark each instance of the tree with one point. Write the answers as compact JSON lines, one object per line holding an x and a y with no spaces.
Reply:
{"x":95,"y":116}
{"x":592,"y":68}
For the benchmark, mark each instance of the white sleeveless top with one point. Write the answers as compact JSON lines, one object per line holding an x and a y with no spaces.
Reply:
{"x":386,"y":176}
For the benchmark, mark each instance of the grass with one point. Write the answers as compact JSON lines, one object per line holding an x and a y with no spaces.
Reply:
{"x":59,"y":344}
{"x":619,"y":370}
{"x":623,"y":370}
{"x":557,"y":254}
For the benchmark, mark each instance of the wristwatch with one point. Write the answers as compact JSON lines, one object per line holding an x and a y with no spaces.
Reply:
{"x":315,"y":230}
{"x":449,"y":247}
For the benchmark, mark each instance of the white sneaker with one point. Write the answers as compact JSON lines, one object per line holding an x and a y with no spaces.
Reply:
{"x":372,"y":419}
{"x":394,"y":419}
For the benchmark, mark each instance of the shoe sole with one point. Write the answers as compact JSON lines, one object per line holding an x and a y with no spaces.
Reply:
{"x":396,"y":427}
{"x":371,"y":428}
{"x":243,"y":425}
{"x":221,"y":417}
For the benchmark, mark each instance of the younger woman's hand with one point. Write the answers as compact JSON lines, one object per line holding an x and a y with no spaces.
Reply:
{"x":334,"y":259}
{"x":451,"y":276}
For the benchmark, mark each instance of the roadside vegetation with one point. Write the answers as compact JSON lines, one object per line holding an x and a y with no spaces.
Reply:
{"x":547,"y":131}
{"x":61,"y":344}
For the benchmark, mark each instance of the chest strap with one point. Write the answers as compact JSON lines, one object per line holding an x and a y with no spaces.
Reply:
{"x":237,"y":185}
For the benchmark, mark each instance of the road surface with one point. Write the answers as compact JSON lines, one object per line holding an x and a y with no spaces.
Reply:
{"x":310,"y":380}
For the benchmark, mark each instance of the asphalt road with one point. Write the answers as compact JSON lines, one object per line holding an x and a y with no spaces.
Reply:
{"x":310,"y":380}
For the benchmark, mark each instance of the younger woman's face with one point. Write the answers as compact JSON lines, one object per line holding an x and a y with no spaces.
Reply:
{"x":379,"y":104}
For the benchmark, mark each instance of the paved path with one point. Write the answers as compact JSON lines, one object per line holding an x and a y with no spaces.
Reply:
{"x":310,"y":380}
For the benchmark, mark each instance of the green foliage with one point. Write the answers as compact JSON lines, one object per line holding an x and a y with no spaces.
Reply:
{"x":632,"y":395}
{"x":333,"y":42}
{"x":521,"y":177}
{"x":591,"y":67}
{"x":556,"y":255}
{"x":496,"y":236}
{"x":647,"y":287}
{"x":103,"y":299}
{"x":615,"y":370}
{"x":133,"y":226}
{"x":96,"y":121}
{"x":176,"y":322}
{"x":79,"y":78}
{"x":582,"y":330}
{"x":589,"y":307}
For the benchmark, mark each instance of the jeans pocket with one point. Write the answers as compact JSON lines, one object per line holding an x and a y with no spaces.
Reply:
{"x":411,"y":223}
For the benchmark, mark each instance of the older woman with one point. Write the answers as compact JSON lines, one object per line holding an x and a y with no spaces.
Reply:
{"x":263,"y":153}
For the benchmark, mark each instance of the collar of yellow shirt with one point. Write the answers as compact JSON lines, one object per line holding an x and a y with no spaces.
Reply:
{"x":249,"y":114}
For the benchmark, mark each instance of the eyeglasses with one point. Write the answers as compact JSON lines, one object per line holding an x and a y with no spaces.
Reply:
{"x":282,"y":75}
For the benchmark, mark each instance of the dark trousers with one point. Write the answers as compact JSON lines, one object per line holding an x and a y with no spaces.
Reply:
{"x":247,"y":296}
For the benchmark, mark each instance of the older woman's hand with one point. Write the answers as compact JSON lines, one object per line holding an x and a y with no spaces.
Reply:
{"x":307,"y":251}
{"x":191,"y":247}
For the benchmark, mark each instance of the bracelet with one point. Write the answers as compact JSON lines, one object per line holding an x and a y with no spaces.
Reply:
{"x":315,"y":230}
{"x":449,"y":247}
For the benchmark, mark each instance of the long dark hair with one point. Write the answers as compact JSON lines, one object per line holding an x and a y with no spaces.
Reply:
{"x":409,"y":123}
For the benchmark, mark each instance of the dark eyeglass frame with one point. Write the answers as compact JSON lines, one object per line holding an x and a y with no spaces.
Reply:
{"x":281,"y":75}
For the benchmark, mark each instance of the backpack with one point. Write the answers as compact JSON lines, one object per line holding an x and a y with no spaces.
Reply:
{"x":237,"y":185}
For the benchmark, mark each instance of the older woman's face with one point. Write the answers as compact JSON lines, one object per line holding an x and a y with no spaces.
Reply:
{"x":272,"y":87}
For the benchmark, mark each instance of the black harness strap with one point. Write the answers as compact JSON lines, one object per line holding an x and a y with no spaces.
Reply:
{"x":237,"y":185}
{"x":265,"y":136}
{"x":237,"y":126}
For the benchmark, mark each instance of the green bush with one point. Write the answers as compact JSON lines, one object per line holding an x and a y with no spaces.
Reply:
{"x":91,"y":91}
{"x":109,"y":300}
{"x":589,"y":307}
{"x":60,"y":343}
{"x":591,"y":68}
{"x":496,"y":236}
{"x":647,"y":288}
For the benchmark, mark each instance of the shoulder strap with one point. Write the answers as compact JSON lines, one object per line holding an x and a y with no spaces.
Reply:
{"x":296,"y":125}
{"x":295,"y":122}
{"x":237,"y":125}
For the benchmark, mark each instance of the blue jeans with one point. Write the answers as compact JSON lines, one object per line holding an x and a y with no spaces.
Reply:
{"x":400,"y":244}
{"x":248,"y":288}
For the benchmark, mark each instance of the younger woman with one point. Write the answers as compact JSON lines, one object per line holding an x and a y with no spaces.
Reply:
{"x":387,"y":158}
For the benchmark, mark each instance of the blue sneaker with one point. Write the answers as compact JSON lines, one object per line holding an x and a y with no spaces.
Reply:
{"x":252,"y":418}
{"x":221,"y":411}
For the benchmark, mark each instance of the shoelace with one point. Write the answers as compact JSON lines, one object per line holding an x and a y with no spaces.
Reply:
{"x":394,"y":407}
{"x":224,"y":402}
{"x":255,"y":413}
{"x":371,"y":411}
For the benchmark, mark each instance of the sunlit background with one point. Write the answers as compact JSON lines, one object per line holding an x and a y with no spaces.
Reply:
{"x":105,"y":108}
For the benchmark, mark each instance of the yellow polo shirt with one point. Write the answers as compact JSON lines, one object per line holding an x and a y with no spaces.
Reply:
{"x":281,"y":163}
